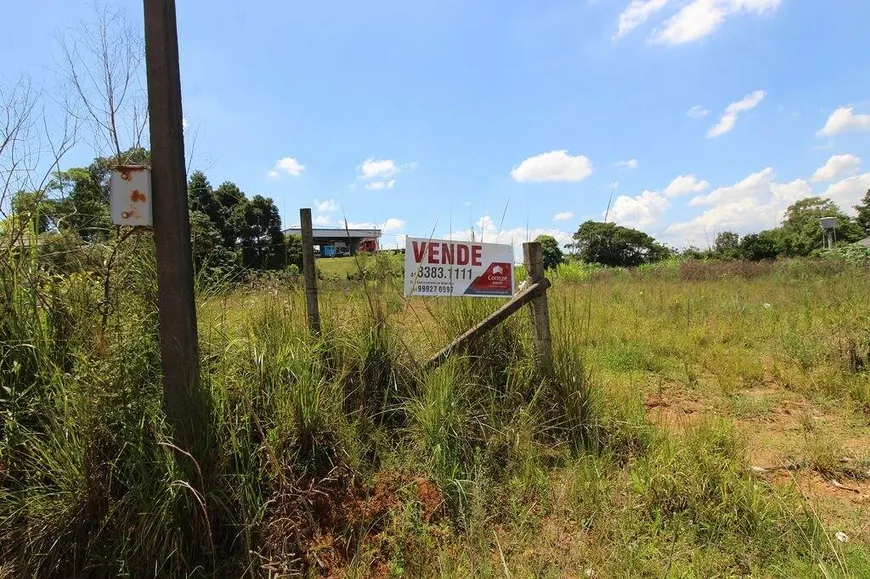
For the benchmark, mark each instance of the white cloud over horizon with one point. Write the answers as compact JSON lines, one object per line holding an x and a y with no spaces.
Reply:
{"x":754,"y":203}
{"x":487,"y":231}
{"x":641,"y":211}
{"x":563,"y":216}
{"x":392,"y":225}
{"x":552,"y":166}
{"x":729,"y":118}
{"x":837,"y":166}
{"x":849,"y":192}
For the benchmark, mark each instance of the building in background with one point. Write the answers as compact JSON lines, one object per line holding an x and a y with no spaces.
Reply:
{"x":330,"y":242}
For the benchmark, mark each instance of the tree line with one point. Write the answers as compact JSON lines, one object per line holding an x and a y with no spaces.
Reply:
{"x":800,"y":235}
{"x":229,"y":230}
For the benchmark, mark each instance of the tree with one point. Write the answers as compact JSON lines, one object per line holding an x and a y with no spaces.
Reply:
{"x":553,"y":255}
{"x":727,"y":245}
{"x":863,"y":209}
{"x":31,"y":147}
{"x":294,"y":250}
{"x":259,"y":231}
{"x":693,"y":252}
{"x":229,"y":197}
{"x":102,"y":62}
{"x":204,"y":238}
{"x":611,"y":244}
{"x":802,"y":224}
{"x":200,"y":196}
{"x":768,"y":244}
{"x":31,"y":209}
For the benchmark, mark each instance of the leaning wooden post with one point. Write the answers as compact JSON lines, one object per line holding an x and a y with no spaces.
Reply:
{"x":533,"y":256}
{"x":309,"y":271}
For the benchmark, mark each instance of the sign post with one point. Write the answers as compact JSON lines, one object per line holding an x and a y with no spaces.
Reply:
{"x":442,"y":268}
{"x":533,"y":256}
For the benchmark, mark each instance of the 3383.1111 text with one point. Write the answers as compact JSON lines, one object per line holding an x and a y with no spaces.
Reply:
{"x":441,"y":272}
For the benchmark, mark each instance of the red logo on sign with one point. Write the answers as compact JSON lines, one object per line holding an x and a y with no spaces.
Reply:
{"x":497,"y":280}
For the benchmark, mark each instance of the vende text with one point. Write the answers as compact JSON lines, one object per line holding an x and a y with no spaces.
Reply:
{"x":447,"y":253}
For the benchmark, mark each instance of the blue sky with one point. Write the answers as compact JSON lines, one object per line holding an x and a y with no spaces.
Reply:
{"x":516,"y":117}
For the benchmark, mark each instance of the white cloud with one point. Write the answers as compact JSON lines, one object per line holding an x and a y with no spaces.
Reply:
{"x":836,"y":167}
{"x":849,"y":192}
{"x":729,"y":119}
{"x":636,"y":13}
{"x":753,"y":185}
{"x":553,"y":166}
{"x":638,"y":212}
{"x":685,"y":184}
{"x":844,"y":119}
{"x":377,"y":172}
{"x":358,"y":225}
{"x":322,"y":221}
{"x":381,"y":184}
{"x":289,"y":165}
{"x":698,"y":112}
{"x":700,"y":18}
{"x":272,"y":174}
{"x":753,"y":203}
{"x":630,"y":163}
{"x":564,"y":216}
{"x":381,"y":168}
{"x":486,"y":229}
{"x":694,"y":21}
{"x":391,"y":225}
{"x":327,"y":206}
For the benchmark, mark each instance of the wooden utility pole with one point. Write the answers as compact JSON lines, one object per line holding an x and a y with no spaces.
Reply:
{"x":533,"y":256}
{"x":182,"y":399}
{"x":309,"y":271}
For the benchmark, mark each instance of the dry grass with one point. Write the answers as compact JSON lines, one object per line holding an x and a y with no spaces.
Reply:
{"x":342,"y":457}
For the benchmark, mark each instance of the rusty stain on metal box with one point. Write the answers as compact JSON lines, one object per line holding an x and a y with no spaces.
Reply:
{"x":130,"y":187}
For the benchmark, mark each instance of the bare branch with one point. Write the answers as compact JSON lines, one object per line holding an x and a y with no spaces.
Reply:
{"x":102,"y":62}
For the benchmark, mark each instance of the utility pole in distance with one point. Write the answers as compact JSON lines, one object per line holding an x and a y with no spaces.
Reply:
{"x":183,"y":402}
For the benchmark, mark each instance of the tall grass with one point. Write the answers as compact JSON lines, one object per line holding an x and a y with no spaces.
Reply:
{"x":341,"y":454}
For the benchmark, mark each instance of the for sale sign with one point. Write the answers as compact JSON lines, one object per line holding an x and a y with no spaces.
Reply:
{"x":437,"y":267}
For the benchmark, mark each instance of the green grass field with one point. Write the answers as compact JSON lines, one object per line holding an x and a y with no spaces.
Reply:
{"x":703,"y":420}
{"x":337,"y":267}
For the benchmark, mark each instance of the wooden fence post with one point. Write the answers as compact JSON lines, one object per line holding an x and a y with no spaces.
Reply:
{"x":310,"y":272}
{"x":524,"y":297}
{"x":533,"y":257}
